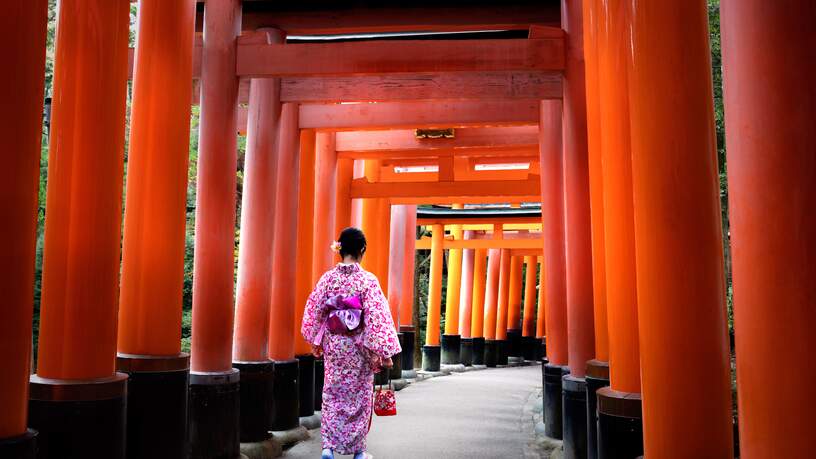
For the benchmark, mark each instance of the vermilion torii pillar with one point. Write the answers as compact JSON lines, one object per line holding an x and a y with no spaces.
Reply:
{"x":250,"y":339}
{"x":396,"y":265}
{"x":284,"y":297}
{"x":577,"y":218}
{"x":554,"y":263}
{"x":80,"y":285}
{"x":304,"y":283}
{"x":529,"y":343}
{"x":451,"y":340}
{"x":491,"y":351}
{"x":598,"y":368}
{"x":620,"y":421}
{"x":149,"y":342}
{"x":514,"y":307}
{"x":342,"y":208}
{"x":431,"y":351}
{"x":22,"y":43}
{"x":681,"y":303}
{"x":770,"y":107}
{"x":541,"y":313}
{"x":214,"y":397}
{"x":406,"y":311}
{"x":326,"y":204}
{"x":477,"y":308}
{"x":466,"y":304}
{"x":502,"y":345}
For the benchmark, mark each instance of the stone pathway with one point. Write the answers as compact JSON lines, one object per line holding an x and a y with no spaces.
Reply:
{"x":479,"y":414}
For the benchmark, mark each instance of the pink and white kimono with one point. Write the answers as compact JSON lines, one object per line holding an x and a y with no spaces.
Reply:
{"x":350,"y":359}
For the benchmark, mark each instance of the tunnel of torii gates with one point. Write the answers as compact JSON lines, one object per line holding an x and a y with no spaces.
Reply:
{"x":600,"y":110}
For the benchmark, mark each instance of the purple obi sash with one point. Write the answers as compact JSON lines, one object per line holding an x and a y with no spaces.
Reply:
{"x":343,"y":315}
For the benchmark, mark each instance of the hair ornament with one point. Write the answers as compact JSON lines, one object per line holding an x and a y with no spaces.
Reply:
{"x":336,"y":246}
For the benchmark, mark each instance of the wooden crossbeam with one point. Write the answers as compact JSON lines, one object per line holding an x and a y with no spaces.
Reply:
{"x":484,"y":223}
{"x":423,"y":86}
{"x":497,"y":199}
{"x":516,"y":244}
{"x":400,"y":143}
{"x":362,"y":188}
{"x":398,"y":56}
{"x":419,"y":114}
{"x":350,"y":19}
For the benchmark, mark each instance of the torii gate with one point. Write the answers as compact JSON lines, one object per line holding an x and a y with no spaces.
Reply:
{"x":632,"y":258}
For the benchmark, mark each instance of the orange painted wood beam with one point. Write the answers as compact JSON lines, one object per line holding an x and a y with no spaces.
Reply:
{"x":361,"y":188}
{"x":504,"y":243}
{"x":497,"y":85}
{"x":478,"y":221}
{"x":430,"y":154}
{"x":496,"y":199}
{"x":259,"y":60}
{"x":360,"y":143}
{"x":416,"y":114}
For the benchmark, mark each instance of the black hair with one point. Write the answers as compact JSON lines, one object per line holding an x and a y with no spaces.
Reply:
{"x":352,"y":242}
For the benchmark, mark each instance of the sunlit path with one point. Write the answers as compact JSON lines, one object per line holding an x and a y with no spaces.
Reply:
{"x":464,"y":415}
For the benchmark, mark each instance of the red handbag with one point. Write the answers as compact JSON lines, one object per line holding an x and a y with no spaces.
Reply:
{"x":385,"y":402}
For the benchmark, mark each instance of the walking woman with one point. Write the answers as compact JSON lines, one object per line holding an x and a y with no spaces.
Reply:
{"x":347,"y":320}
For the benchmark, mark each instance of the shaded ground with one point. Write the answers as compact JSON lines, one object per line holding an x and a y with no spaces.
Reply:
{"x":479,"y":414}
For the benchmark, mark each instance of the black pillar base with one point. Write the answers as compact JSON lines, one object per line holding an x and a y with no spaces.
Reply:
{"x":478,"y":351}
{"x":408,"y":342}
{"x":20,"y":447}
{"x":256,"y":399}
{"x":620,"y":424}
{"x":450,"y":349}
{"x":320,"y":374}
{"x":575,"y":417}
{"x":514,"y":346}
{"x":285,"y":387}
{"x":82,"y":420}
{"x":157,"y":404}
{"x":214,"y":421}
{"x":396,"y":370}
{"x":597,"y":377}
{"x":491,"y":353}
{"x":530,"y":346}
{"x":543,"y":351}
{"x":431,"y":357}
{"x":306,"y":385}
{"x":503,"y":350}
{"x":553,"y":420}
{"x":466,"y":351}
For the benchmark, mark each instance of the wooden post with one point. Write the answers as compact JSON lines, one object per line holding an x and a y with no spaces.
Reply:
{"x":213,"y":381}
{"x":552,"y":214}
{"x":770,"y":108}
{"x":22,"y":44}
{"x":677,"y":218}
{"x":154,"y":230}
{"x":621,"y":276}
{"x":431,"y":351}
{"x":284,"y":282}
{"x":253,"y":293}
{"x":80,"y":283}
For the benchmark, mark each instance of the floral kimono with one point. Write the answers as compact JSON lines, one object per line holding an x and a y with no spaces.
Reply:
{"x":350,"y":358}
